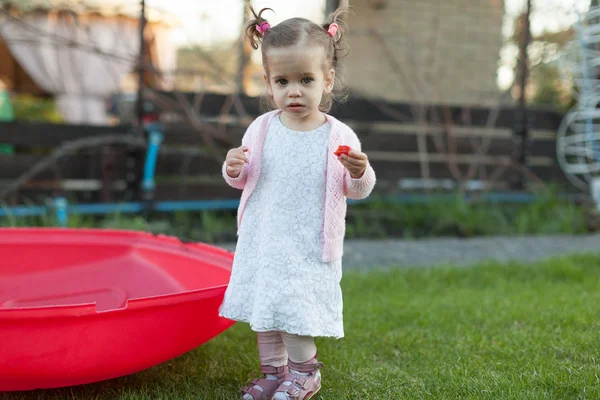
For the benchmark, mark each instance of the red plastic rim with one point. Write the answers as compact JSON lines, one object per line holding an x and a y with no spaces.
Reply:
{"x":83,"y":305}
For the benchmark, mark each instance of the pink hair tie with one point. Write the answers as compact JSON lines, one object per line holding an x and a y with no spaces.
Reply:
{"x":332,"y":29}
{"x":263,"y":27}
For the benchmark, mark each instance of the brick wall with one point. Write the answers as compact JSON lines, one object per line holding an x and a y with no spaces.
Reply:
{"x":448,"y":50}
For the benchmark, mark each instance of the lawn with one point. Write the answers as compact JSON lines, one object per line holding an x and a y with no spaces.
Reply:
{"x":494,"y":331}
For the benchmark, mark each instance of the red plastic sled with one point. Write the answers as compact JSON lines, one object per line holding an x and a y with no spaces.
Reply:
{"x":80,"y":306}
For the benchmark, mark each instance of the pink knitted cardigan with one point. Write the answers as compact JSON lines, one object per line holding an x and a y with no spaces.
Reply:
{"x":340,"y":185}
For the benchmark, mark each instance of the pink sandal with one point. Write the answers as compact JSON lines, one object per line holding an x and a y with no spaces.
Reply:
{"x":300,"y":387}
{"x":268,"y":386}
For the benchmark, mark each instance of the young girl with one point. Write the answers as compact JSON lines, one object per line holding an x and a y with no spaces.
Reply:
{"x":286,"y":274}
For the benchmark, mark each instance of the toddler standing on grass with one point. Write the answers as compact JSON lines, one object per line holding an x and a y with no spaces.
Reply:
{"x":287,"y":269}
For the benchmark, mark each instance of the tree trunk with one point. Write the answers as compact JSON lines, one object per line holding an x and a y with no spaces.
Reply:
{"x":244,"y":51}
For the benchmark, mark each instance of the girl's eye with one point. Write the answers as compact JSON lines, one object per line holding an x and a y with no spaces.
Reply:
{"x":282,"y":81}
{"x":307,"y":80}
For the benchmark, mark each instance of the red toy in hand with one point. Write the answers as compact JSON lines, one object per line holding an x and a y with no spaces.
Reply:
{"x":342,"y":150}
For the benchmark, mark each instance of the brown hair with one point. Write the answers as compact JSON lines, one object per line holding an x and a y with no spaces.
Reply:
{"x":294,"y":31}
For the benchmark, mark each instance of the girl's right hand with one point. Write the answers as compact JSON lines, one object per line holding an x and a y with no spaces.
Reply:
{"x":235,"y":161}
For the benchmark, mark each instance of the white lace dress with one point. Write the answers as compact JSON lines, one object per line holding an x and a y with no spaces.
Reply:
{"x":279,"y":281}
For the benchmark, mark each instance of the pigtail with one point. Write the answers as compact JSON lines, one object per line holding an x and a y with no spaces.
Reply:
{"x":335,"y":18}
{"x":336,"y":27}
{"x":256,"y":28}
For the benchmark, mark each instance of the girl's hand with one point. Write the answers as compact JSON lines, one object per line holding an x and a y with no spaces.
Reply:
{"x":355,"y":162}
{"x":235,"y":161}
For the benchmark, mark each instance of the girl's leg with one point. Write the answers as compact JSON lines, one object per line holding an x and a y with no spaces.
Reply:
{"x":300,"y":349}
{"x":273,"y":365}
{"x":271,"y":349}
{"x":304,"y":379}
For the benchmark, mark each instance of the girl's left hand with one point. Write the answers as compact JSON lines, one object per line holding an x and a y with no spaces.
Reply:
{"x":355,"y":162}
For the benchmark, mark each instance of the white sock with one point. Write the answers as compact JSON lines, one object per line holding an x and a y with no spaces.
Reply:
{"x":269,"y":377}
{"x":293,"y":371}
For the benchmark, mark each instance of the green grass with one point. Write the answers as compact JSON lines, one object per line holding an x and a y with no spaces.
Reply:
{"x":496,"y":331}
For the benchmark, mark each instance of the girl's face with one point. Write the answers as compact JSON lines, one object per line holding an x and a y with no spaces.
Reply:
{"x":296,"y":81}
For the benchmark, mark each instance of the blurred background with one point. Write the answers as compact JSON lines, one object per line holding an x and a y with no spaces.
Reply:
{"x":477,"y":115}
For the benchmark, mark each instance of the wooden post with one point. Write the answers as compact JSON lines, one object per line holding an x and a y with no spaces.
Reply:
{"x":135,"y":155}
{"x":244,"y":51}
{"x":331,"y":6}
{"x":521,"y":128}
{"x":141,"y":60}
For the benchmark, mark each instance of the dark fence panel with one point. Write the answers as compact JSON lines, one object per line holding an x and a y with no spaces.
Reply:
{"x":455,"y":143}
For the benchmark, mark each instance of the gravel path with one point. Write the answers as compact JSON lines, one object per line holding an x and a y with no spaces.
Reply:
{"x":369,"y":254}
